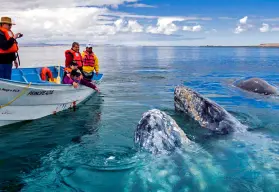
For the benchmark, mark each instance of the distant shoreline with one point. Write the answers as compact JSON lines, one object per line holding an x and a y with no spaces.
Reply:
{"x":209,"y":46}
{"x":244,"y":46}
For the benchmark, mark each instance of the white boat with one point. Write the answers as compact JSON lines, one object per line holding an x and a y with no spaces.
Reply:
{"x":27,"y":97}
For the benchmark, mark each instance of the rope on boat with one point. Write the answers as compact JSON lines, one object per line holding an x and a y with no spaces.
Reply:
{"x":18,"y":96}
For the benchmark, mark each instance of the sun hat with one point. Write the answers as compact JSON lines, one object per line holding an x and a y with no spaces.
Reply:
{"x":6,"y":20}
{"x":89,"y":45}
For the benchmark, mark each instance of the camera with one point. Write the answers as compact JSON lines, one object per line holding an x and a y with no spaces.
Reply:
{"x":20,"y":35}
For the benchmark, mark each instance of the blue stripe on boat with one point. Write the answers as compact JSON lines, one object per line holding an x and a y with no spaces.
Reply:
{"x":26,"y":75}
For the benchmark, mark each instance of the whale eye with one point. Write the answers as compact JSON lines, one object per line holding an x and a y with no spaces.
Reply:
{"x":224,"y":131}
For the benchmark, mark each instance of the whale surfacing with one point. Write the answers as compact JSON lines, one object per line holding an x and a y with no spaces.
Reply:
{"x":208,"y":113}
{"x":157,"y":132}
{"x":256,"y":85}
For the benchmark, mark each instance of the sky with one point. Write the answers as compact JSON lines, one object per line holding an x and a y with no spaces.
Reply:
{"x":145,"y":22}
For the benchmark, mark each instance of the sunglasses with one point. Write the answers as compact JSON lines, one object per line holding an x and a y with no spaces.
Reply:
{"x":7,"y":24}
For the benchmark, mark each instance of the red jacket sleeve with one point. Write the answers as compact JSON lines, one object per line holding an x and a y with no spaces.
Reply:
{"x":69,"y":59}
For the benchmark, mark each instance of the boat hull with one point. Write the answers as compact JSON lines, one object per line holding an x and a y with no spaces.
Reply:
{"x":21,"y":101}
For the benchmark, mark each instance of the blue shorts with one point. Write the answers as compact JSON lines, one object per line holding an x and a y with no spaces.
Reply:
{"x":6,"y":71}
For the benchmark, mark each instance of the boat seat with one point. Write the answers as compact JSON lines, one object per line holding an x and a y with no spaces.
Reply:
{"x":35,"y":78}
{"x":17,"y":76}
{"x":29,"y":75}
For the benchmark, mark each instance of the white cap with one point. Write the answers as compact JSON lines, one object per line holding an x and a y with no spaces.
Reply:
{"x":89,"y":45}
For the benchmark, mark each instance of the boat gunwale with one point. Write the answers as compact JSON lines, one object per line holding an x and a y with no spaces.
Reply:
{"x":27,"y":83}
{"x":46,"y":86}
{"x":40,"y":84}
{"x":16,"y":83}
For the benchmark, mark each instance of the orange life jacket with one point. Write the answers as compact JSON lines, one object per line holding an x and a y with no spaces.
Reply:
{"x":89,"y":59}
{"x":76,"y":57}
{"x":8,"y":34}
{"x":67,"y":69}
{"x":46,"y":72}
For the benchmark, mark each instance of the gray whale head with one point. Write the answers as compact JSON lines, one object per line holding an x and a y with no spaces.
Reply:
{"x":157,"y":132}
{"x":256,"y":85}
{"x":206,"y":112}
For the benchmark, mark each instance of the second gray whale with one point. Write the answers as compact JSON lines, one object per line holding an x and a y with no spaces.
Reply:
{"x":256,"y":85}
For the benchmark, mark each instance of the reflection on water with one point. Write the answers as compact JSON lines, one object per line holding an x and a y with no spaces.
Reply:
{"x":241,"y":53}
{"x":165,"y":56}
{"x":92,"y":149}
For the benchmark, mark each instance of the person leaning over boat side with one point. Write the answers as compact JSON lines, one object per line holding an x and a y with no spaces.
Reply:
{"x":8,"y":47}
{"x":67,"y":78}
{"x":90,"y":63}
{"x":73,"y":54}
{"x":73,"y":65}
{"x":74,"y":79}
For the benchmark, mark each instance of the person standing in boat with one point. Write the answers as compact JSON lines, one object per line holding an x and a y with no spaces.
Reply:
{"x":73,"y":55}
{"x":90,"y":63}
{"x":8,"y":48}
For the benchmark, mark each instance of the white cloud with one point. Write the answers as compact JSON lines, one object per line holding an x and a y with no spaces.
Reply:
{"x":140,"y":5}
{"x":242,"y":25}
{"x":187,"y":28}
{"x":211,"y":31}
{"x":60,"y":24}
{"x":66,"y":21}
{"x":130,"y":26}
{"x":165,"y":26}
{"x":119,"y":24}
{"x":243,"y":20}
{"x":122,"y":15}
{"x":239,"y":29}
{"x":134,"y":26}
{"x":32,"y":4}
{"x":265,"y":28}
{"x":195,"y":28}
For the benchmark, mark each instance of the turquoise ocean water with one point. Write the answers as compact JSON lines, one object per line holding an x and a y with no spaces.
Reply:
{"x":92,"y":149}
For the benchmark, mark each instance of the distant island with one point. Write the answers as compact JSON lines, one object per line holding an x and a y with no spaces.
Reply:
{"x":266,"y":45}
{"x":269,"y":45}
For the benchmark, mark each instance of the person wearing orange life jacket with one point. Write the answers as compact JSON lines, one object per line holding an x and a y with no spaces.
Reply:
{"x":67,"y":79}
{"x":8,"y":47}
{"x":73,"y":55}
{"x":90,"y":63}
